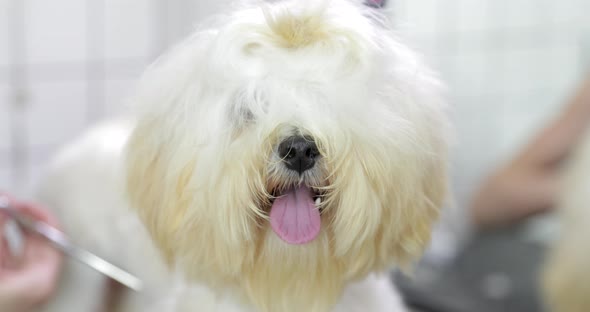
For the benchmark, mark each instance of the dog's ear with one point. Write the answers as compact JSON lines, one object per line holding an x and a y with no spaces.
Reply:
{"x":386,"y":210}
{"x":148,"y":190}
{"x":420,"y":215}
{"x":424,"y":193}
{"x":188,"y":196}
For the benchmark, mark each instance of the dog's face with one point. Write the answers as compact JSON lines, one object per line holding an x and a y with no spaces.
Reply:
{"x":287,"y":152}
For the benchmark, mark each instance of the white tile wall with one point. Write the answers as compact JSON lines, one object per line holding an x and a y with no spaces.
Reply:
{"x":129,"y":68}
{"x":117,"y":95}
{"x":57,"y":112}
{"x":422,"y":20}
{"x":128,"y":35}
{"x":4,"y":35}
{"x":537,"y":67}
{"x":55,"y":31}
{"x":5,"y":180}
{"x":4,"y":122}
{"x":79,"y":60}
{"x":509,"y":64}
{"x":470,"y":16}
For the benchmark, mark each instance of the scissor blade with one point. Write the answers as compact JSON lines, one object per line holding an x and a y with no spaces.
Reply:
{"x":105,"y":268}
{"x":64,"y":244}
{"x":61,"y":242}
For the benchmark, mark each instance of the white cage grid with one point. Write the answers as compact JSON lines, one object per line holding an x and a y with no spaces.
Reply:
{"x":65,"y":64}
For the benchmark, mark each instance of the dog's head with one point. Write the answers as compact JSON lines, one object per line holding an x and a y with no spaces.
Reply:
{"x":289,"y":150}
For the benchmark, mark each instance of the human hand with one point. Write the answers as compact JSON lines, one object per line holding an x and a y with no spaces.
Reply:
{"x":514,"y":193}
{"x":30,"y":280}
{"x":528,"y":184}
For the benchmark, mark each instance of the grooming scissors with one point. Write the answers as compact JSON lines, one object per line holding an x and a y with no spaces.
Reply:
{"x":60,"y":241}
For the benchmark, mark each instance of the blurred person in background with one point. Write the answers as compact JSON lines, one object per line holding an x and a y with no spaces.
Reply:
{"x":528,"y":184}
{"x":28,"y":280}
{"x":497,"y":266}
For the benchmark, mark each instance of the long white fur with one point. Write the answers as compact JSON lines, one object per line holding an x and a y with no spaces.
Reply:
{"x":566,"y":277}
{"x":197,"y":162}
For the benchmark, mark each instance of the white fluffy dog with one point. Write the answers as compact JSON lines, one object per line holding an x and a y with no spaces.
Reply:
{"x":283,"y":158}
{"x":566,"y":275}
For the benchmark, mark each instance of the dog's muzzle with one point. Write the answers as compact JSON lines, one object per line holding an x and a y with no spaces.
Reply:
{"x":295,"y":212}
{"x":298,"y":153}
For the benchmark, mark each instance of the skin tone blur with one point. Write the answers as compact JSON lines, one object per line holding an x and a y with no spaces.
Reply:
{"x":528,"y":184}
{"x":27,"y":282}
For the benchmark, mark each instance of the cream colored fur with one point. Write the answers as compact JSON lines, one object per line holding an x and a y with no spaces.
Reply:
{"x":566,"y":276}
{"x":198,"y":163}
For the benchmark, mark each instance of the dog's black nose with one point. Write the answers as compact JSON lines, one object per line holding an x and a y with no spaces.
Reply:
{"x":298,"y":153}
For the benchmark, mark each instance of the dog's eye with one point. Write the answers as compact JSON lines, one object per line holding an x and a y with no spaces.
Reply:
{"x":246,"y":106}
{"x":244,"y":116}
{"x":240,"y":117}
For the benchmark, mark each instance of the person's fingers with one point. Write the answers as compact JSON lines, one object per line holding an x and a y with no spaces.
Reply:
{"x":33,"y":210}
{"x":39,"y":247}
{"x":36,"y":277}
{"x":3,"y":219}
{"x":38,"y":272}
{"x":40,"y":263}
{"x":3,"y":216}
{"x":41,"y":269}
{"x":32,"y":285}
{"x":37,"y":250}
{"x":37,"y":212}
{"x":4,"y":250}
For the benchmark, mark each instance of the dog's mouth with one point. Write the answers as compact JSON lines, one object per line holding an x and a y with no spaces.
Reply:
{"x":317,"y":197}
{"x":295,"y":214}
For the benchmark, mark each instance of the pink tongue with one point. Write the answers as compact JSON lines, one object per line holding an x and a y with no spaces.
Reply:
{"x":294,"y":216}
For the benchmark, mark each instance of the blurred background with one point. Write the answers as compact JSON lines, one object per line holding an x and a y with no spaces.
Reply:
{"x":65,"y":64}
